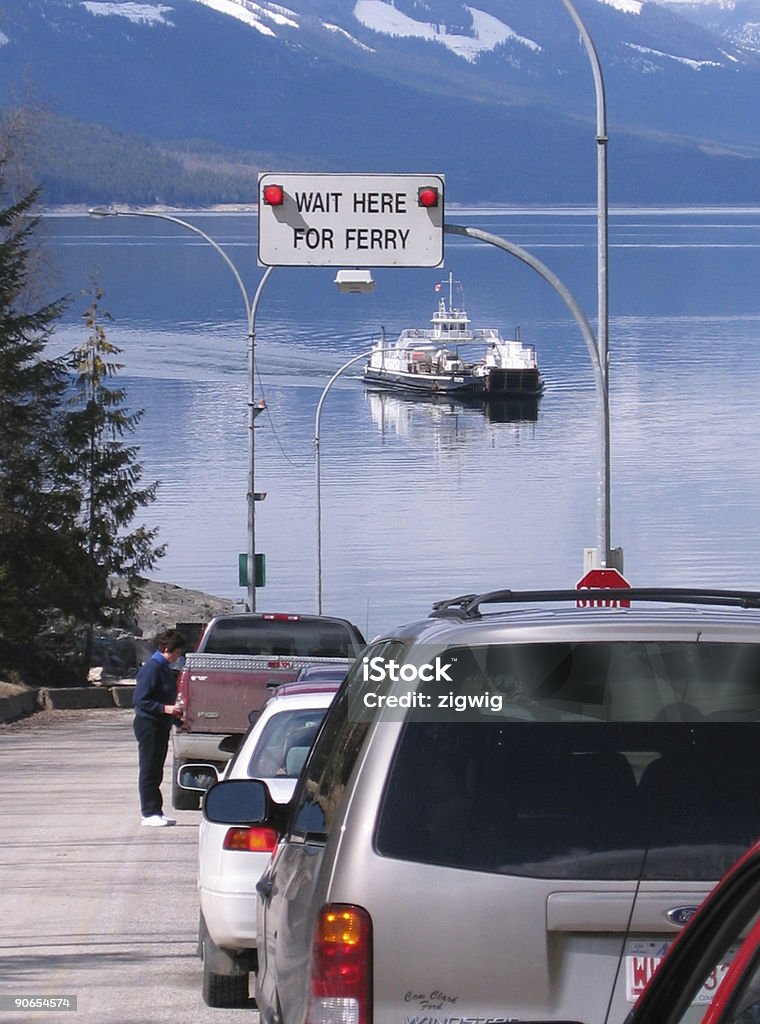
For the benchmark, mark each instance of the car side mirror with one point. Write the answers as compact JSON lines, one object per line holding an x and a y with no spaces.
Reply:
{"x":237,"y":802}
{"x":197,"y":777}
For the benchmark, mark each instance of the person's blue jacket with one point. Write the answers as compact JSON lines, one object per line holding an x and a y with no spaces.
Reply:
{"x":156,"y":687}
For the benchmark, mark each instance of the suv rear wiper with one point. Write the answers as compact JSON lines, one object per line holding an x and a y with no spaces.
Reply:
{"x":467,"y":606}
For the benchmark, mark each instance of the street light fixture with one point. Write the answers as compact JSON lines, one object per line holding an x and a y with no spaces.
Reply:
{"x":355,"y":281}
{"x":254,"y":407}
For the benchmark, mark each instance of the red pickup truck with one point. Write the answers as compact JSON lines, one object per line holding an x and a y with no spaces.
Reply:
{"x":239,"y":658}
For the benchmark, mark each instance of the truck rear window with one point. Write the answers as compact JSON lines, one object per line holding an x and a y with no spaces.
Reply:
{"x":300,"y":638}
{"x":604,"y":761}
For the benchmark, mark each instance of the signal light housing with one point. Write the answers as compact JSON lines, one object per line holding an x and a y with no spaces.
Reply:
{"x":428,"y":196}
{"x":341,"y":966}
{"x":250,"y":839}
{"x":274,"y":195}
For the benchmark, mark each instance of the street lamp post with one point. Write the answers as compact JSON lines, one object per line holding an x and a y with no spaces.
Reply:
{"x":317,"y":460}
{"x":604,"y":553}
{"x":603,"y":526}
{"x":254,"y":408}
{"x":588,"y":336}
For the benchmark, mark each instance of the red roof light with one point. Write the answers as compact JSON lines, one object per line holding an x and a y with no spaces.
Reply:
{"x":427,"y":196}
{"x":274,"y":195}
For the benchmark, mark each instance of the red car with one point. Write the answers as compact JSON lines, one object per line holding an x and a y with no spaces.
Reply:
{"x":711,"y":974}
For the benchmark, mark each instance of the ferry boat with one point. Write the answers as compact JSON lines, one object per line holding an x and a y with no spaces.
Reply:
{"x":428,"y":360}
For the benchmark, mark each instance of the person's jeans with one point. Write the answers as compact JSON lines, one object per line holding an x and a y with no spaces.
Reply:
{"x":152,"y":746}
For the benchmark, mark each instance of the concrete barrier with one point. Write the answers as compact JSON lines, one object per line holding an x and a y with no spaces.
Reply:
{"x":74,"y":697}
{"x":122,"y":696}
{"x":18,"y":706}
{"x":65,"y":698}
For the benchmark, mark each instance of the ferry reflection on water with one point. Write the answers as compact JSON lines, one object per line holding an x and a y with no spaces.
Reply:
{"x":451,"y":419}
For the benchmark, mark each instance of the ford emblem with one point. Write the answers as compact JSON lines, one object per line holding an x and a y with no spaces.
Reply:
{"x":681,"y":915}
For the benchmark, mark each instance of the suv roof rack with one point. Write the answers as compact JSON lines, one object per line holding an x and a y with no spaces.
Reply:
{"x":467,"y":606}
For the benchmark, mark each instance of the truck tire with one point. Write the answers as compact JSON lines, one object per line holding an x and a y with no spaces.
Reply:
{"x":183,"y":799}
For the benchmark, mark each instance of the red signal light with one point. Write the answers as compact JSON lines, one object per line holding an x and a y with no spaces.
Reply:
{"x":250,"y":839}
{"x":427,"y":196}
{"x":274,"y":195}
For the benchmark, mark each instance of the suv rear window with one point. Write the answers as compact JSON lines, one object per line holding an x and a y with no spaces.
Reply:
{"x":299,"y":638}
{"x":603,"y":761}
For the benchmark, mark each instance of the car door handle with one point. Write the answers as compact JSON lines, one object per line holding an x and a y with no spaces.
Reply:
{"x":264,"y":887}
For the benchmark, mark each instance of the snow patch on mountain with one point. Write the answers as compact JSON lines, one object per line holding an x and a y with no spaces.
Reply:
{"x":140,"y":14}
{"x":254,"y":15}
{"x":748,"y":36}
{"x":347,"y":35}
{"x":489,"y":32}
{"x":628,"y":6}
{"x":697,"y":65}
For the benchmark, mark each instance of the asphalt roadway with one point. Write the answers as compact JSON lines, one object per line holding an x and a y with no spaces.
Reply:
{"x":92,"y":904}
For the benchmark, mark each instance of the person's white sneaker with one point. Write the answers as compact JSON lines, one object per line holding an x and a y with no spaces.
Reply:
{"x":158,"y":821}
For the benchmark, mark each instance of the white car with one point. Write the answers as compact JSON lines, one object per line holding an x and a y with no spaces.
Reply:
{"x":232,"y":858}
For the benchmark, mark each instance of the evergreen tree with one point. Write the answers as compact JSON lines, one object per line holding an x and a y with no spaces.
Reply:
{"x":35,"y":543}
{"x":105,"y":469}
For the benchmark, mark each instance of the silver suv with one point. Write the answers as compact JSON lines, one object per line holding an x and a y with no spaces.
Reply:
{"x":510,"y":816}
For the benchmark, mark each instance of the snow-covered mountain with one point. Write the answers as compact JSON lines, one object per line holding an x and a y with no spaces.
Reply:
{"x":498,"y":96}
{"x":737,"y":21}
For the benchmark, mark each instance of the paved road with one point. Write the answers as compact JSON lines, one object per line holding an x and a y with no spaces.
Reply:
{"x":92,"y":904}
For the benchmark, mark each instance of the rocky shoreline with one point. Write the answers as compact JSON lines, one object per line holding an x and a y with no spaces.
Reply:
{"x":163,"y":605}
{"x":118,"y":653}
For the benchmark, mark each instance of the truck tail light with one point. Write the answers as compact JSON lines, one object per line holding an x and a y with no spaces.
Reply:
{"x":341,"y":975}
{"x":251,"y":839}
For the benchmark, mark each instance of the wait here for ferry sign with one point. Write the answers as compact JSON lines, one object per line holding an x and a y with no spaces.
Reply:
{"x":351,"y":220}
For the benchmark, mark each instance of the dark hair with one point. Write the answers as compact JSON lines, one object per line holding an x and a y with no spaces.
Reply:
{"x":171,"y":640}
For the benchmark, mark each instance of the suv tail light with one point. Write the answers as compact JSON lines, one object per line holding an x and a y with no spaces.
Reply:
{"x":341,"y":969}
{"x":250,"y":839}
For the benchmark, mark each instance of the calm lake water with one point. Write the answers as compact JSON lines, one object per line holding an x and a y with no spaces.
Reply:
{"x":423,"y":500}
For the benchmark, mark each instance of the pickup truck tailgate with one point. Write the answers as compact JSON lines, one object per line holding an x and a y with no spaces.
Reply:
{"x":220,"y":690}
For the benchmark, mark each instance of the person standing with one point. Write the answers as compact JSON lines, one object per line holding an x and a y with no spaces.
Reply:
{"x":156,"y":710}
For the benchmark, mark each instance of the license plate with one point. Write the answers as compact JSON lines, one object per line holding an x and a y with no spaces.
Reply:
{"x":642,"y":960}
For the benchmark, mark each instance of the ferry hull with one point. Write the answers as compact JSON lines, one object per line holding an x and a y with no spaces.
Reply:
{"x":497,"y":384}
{"x":428,"y":384}
{"x":521,"y":383}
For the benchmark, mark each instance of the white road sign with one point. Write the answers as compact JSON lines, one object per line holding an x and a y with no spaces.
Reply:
{"x":351,"y":220}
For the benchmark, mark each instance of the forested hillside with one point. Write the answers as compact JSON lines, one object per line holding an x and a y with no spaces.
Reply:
{"x":89,"y":164}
